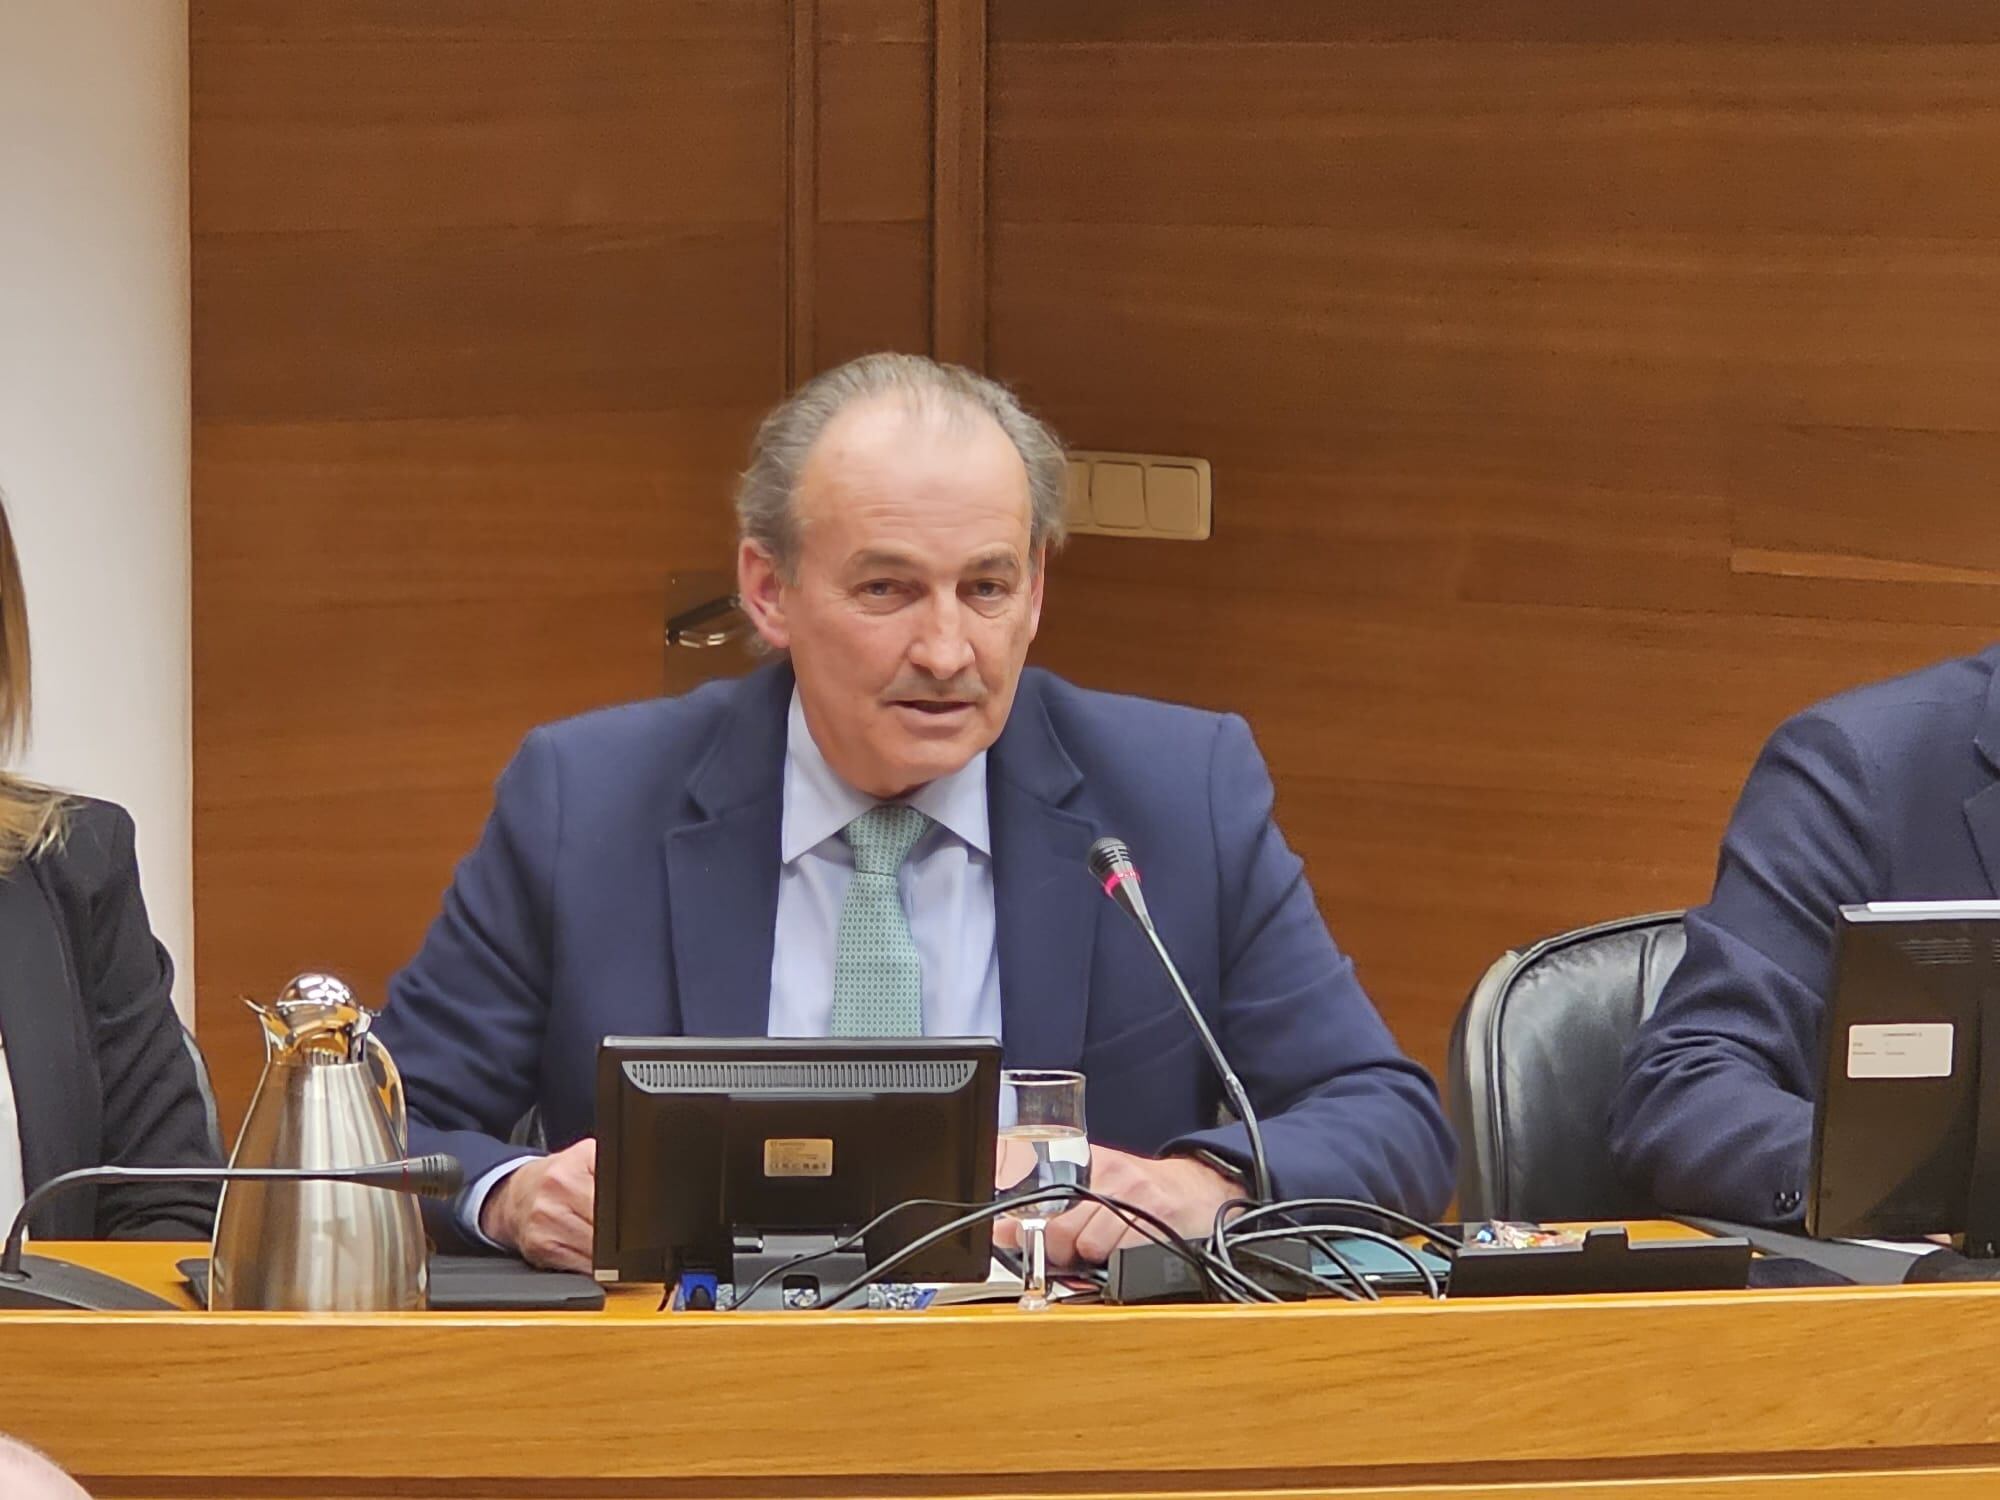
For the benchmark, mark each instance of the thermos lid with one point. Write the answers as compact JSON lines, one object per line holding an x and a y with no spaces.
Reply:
{"x":317,"y":1017}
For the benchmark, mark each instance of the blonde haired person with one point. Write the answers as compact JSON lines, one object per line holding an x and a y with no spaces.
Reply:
{"x":97,"y":1069}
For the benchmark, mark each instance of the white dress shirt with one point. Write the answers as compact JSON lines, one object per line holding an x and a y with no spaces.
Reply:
{"x":946,"y":885}
{"x":947,"y":890}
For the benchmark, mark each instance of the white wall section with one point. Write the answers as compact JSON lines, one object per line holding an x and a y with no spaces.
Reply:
{"x":94,"y":410}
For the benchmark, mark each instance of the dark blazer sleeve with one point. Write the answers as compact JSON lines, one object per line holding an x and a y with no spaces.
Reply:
{"x":1714,"y":1115}
{"x":1345,"y":1113}
{"x":466,"y":1016}
{"x":154,"y":1113}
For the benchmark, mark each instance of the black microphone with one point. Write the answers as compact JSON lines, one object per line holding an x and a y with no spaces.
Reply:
{"x":1111,"y":863}
{"x":38,"y":1281}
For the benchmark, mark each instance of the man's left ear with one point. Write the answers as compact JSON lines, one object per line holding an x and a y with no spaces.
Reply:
{"x":1038,"y":572}
{"x":758,"y":594}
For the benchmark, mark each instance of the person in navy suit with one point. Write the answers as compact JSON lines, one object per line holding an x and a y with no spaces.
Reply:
{"x":1887,"y":793}
{"x":691,"y":866}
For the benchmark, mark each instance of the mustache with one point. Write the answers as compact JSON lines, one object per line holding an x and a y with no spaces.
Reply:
{"x":930,"y":690}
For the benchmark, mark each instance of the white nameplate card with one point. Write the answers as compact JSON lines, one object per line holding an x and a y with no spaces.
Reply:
{"x":1910,"y":1049}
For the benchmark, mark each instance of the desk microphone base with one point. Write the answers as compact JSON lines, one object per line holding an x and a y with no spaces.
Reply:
{"x":56,"y":1285}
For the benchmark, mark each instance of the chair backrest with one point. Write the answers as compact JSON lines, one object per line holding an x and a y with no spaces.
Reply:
{"x":1535,"y":1059}
{"x":207,"y":1091}
{"x":529,"y":1130}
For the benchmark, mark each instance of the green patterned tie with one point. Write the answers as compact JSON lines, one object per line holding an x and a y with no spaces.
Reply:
{"x":878,"y":987}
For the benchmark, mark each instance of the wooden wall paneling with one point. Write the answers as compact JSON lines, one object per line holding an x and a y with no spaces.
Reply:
{"x":802,"y":188}
{"x":487,"y":296}
{"x":873,"y":258}
{"x":958,"y":256}
{"x":1585,"y":392}
{"x":1586,"y":389}
{"x":1504,"y":22}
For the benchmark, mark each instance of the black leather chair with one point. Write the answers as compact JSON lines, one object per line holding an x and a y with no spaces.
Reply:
{"x":212,"y":1120}
{"x":529,"y":1130}
{"x":1535,"y":1058}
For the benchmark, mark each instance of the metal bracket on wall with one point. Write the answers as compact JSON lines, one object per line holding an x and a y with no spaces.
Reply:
{"x":713,"y":622}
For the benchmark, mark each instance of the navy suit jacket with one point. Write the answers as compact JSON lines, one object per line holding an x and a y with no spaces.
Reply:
{"x":1887,"y":793}
{"x":627,"y":882}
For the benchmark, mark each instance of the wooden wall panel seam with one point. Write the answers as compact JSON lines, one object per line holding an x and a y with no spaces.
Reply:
{"x":802,"y":193}
{"x":958,"y":236}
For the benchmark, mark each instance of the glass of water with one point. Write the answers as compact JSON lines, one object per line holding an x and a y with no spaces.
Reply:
{"x":1043,"y":1143}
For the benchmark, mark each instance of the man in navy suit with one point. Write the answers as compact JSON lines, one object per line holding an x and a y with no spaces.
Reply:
{"x":884,"y":833}
{"x":1887,"y":793}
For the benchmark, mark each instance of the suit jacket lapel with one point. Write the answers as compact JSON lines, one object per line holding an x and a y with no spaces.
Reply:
{"x":1045,"y":912}
{"x":38,"y":1021}
{"x":722,"y":868}
{"x":1982,"y":809}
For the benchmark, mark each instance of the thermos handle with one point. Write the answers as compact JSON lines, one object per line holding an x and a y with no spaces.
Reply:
{"x":389,"y":1083}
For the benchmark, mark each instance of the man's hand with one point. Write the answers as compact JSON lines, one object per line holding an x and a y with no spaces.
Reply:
{"x":1184,"y":1192}
{"x":542,"y":1210}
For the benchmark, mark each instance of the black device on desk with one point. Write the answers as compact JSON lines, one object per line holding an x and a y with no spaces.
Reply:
{"x":1906,"y":1129}
{"x":738,"y":1157}
{"x":471,"y":1283}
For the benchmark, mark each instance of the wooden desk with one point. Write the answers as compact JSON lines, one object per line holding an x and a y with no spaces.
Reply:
{"x":1835,"y":1395}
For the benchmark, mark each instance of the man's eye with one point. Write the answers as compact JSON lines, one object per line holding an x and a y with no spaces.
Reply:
{"x":989,"y":588}
{"x":879,"y":588}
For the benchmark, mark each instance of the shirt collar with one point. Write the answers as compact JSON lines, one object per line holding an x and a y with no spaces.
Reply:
{"x":818,"y":804}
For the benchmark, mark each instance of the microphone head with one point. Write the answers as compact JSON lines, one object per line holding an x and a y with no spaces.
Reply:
{"x":1111,"y":863}
{"x":427,"y":1176}
{"x":1109,"y":857}
{"x":437,"y":1176}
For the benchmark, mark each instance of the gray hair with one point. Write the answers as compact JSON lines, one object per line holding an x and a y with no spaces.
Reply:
{"x":764,"y":496}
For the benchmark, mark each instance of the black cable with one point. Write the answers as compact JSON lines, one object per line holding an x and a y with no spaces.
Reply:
{"x":1361,"y":1289}
{"x":1192,"y":1252}
{"x":1218,"y":1276}
{"x":1096,"y":1277}
{"x":1211,"y":1260}
{"x":1362,"y":1284}
{"x":1219,"y":1241}
{"x":1313,"y":1278}
{"x":845,"y":1242}
{"x":1429,"y":1277}
{"x":1290,"y":1206}
{"x":1241,"y":1287}
{"x":978,"y":1211}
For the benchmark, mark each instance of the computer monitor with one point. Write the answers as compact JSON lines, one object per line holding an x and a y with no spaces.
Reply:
{"x":1906,"y":1129}
{"x":731,"y":1156}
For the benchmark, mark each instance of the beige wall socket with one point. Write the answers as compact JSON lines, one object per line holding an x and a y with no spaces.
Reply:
{"x":1139,"y":494}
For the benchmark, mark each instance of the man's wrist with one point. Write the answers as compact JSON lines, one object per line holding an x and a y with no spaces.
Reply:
{"x":1222,"y":1166}
{"x":486,"y":1205}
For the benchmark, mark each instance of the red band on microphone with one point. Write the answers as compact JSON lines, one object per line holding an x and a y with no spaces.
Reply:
{"x":1118,"y":878}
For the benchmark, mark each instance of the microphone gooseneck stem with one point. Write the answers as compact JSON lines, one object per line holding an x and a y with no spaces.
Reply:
{"x":426,"y":1176}
{"x":1232,"y":1086}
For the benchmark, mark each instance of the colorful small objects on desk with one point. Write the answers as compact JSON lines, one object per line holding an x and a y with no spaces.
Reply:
{"x":1511,"y":1236}
{"x":705,"y":1294}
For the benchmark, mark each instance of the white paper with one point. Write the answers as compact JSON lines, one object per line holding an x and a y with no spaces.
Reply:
{"x":1907,"y":1049}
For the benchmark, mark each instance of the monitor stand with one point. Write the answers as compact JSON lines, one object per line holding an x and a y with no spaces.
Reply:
{"x":1978,"y":1256}
{"x":1982,"y":1192}
{"x":759,"y":1255}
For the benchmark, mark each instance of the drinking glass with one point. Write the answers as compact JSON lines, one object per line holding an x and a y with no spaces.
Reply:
{"x":1043,"y":1143}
